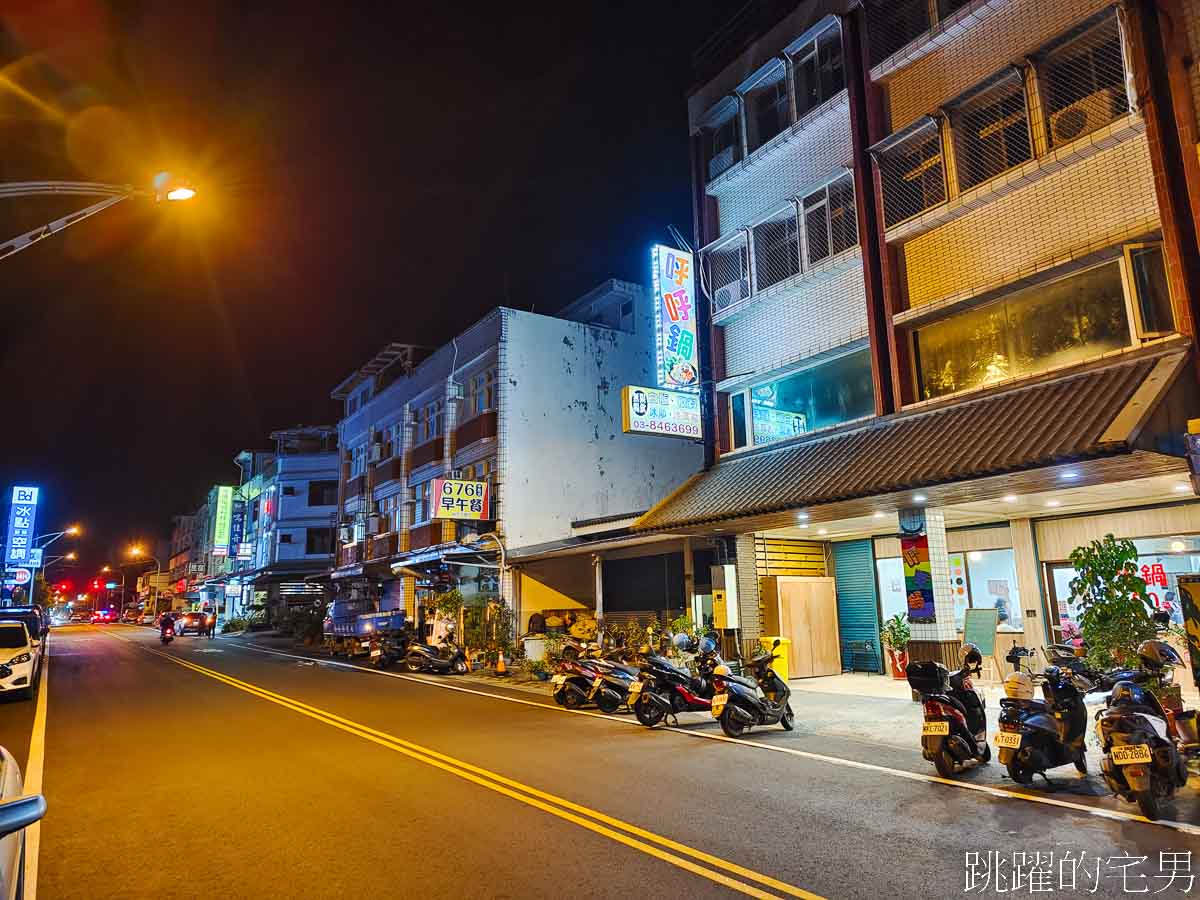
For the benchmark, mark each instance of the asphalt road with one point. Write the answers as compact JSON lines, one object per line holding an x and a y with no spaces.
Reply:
{"x":219,"y":769}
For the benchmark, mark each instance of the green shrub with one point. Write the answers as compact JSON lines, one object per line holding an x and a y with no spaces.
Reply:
{"x":235,"y":624}
{"x":1116,"y":608}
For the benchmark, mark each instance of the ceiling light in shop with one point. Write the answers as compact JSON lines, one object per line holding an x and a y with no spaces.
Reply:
{"x":879,"y":515}
{"x":804,"y":525}
{"x":1069,"y":476}
{"x":822,"y":531}
{"x":1054,"y":503}
{"x":1178,"y":546}
{"x":803,"y":517}
{"x":975,"y":556}
{"x":1010,"y":498}
{"x":1183,"y":487}
{"x":918,"y":498}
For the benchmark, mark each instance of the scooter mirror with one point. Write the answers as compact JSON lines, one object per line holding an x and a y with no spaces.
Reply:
{"x":776,"y":644}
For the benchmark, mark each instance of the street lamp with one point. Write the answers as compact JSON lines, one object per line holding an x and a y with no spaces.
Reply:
{"x":69,"y":557}
{"x":108,"y":570}
{"x":137,"y":551}
{"x":165,"y":187}
{"x":72,"y":530}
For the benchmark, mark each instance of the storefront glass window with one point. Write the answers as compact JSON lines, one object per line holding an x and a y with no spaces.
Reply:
{"x":1039,"y":328}
{"x":992,"y":575}
{"x":829,"y":394}
{"x":1160,"y":562}
{"x":892,"y":598}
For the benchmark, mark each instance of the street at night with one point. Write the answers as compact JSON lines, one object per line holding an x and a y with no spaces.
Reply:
{"x":402,"y":785}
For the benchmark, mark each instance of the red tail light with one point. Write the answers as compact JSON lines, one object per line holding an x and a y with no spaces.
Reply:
{"x":934,"y":709}
{"x":719,"y":684}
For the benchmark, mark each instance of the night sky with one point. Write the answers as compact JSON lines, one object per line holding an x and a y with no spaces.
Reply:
{"x":367,"y":173}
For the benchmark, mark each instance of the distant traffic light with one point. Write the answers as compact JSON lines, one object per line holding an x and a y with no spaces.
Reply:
{"x":95,"y":584}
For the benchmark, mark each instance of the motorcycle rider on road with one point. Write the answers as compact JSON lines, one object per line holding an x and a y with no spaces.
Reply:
{"x":167,"y":621}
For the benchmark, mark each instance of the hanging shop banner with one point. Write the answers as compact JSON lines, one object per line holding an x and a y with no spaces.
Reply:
{"x":652,"y":411}
{"x":237,"y":525}
{"x":772,"y":424}
{"x":222,"y":521}
{"x":454,"y":499}
{"x":21,"y":517}
{"x":918,"y":577}
{"x":245,"y":551}
{"x":35,"y":558}
{"x":1189,"y":601}
{"x":959,"y":589}
{"x":675,"y":296}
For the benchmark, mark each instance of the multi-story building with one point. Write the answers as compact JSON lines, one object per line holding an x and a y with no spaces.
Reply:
{"x":530,"y":405}
{"x":950,"y":252}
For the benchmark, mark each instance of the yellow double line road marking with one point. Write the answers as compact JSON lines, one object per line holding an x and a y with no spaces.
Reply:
{"x":723,"y":872}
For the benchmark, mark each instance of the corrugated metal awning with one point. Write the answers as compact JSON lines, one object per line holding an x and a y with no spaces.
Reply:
{"x":1092,"y":414}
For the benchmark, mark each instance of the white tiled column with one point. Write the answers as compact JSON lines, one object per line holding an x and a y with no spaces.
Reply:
{"x":943,"y":600}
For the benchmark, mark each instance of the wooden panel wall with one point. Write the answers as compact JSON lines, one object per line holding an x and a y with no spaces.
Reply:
{"x":1057,"y":538}
{"x":785,"y":556}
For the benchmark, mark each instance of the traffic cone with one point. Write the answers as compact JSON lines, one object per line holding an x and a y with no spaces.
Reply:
{"x":501,"y":668}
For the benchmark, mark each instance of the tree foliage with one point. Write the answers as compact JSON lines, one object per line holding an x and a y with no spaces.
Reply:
{"x":1116,"y":610}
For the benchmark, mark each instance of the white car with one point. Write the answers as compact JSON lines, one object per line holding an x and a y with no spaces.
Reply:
{"x":15,"y":815}
{"x":20,"y":659}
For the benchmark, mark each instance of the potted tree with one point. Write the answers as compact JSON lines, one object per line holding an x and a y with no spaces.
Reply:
{"x":895,"y":635}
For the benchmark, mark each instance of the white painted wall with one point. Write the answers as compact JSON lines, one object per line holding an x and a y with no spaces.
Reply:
{"x":563,"y":455}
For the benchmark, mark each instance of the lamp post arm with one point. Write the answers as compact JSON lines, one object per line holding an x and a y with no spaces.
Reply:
{"x":29,"y":238}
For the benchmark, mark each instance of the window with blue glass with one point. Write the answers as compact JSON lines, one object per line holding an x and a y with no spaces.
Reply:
{"x":831,"y":393}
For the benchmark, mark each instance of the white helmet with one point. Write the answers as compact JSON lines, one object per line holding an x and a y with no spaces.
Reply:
{"x":1019,"y":686}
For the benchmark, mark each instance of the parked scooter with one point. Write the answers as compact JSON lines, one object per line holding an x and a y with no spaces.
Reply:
{"x":441,"y":660}
{"x":1036,"y":735}
{"x":664,"y":689}
{"x":955,"y":727}
{"x":762,"y":698}
{"x":1143,"y":762}
{"x":572,"y":684}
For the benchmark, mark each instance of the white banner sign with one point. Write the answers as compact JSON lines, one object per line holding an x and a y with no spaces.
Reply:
{"x":646,"y":410}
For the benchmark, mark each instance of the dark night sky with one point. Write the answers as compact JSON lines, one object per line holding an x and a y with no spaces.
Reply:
{"x":369,"y":172}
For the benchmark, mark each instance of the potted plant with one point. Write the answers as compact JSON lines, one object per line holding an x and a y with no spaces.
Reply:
{"x":1116,"y":614}
{"x":895,"y":635}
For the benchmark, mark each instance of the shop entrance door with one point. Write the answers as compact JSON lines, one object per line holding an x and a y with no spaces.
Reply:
{"x":807,"y":616}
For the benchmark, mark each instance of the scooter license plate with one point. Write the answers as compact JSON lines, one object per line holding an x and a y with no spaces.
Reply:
{"x":635,"y":687}
{"x":718,"y":704}
{"x":1010,"y":740}
{"x":377,"y":653}
{"x":1129,"y":754}
{"x":596,"y":682}
{"x":558,"y":679}
{"x":942,"y":728}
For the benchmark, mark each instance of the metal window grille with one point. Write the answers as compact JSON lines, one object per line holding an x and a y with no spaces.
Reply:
{"x":946,"y":8}
{"x":776,"y":244}
{"x":1083,"y":80}
{"x":727,"y":271}
{"x":817,"y":70}
{"x":767,"y":109}
{"x":991,"y":129}
{"x":816,"y":226}
{"x":892,"y":24}
{"x":913,"y":174}
{"x":843,"y":217}
{"x":723,"y":140}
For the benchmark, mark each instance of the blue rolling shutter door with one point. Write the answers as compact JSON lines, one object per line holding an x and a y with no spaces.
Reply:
{"x":858,"y":606}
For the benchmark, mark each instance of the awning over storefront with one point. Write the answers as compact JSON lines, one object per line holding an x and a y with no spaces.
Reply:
{"x":289,"y":572}
{"x":1009,"y":439}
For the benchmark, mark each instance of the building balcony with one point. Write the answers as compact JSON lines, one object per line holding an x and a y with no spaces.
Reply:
{"x":349,"y":555}
{"x":383,"y":545}
{"x":481,"y":426}
{"x":356,"y":486}
{"x":426,"y":535}
{"x":389,"y":470}
{"x":424,"y":454}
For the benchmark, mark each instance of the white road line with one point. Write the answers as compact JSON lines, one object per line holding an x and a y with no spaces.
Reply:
{"x":989,"y":790}
{"x":33,"y":776}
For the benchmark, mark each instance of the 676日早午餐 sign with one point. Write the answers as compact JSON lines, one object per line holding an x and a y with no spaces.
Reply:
{"x":455,"y":499}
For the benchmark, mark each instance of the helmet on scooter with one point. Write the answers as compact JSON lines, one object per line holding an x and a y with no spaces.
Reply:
{"x":1126,"y":693}
{"x":722,"y":670}
{"x":681,"y":641}
{"x":1157,"y":654}
{"x":971,"y":657}
{"x":1019,"y":686}
{"x":707,"y":645}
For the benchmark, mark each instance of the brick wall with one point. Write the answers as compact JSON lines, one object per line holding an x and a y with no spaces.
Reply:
{"x":1085,"y":207}
{"x":813,"y":153}
{"x":749,"y":612}
{"x":1012,"y":30}
{"x":1191,"y":13}
{"x":817,"y":315}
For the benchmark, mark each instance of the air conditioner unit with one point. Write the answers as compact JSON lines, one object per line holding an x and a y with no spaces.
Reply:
{"x":345,"y":534}
{"x":454,"y":390}
{"x":731,"y":293}
{"x":376,"y":452}
{"x":1086,"y":115}
{"x":456,"y":473}
{"x":720,"y":162}
{"x":374,"y":524}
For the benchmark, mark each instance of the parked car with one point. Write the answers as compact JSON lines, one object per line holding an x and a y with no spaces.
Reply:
{"x":20,"y":659}
{"x":32,"y":616}
{"x":79,"y":617}
{"x":103,"y":617}
{"x":190,"y":621}
{"x":16,"y":813}
{"x":131,"y":616}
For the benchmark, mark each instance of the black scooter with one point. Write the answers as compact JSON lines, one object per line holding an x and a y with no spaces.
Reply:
{"x":441,"y":660}
{"x":168,"y":635}
{"x":1036,"y":735}
{"x":741,"y":702}
{"x":665,"y":689}
{"x":955,"y":726}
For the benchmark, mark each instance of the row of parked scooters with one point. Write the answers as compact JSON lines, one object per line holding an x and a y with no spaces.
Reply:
{"x":655,"y":688}
{"x":1146,"y":735}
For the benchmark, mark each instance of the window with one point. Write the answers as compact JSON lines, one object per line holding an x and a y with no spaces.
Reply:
{"x":817,"y":70}
{"x":1148,"y":272}
{"x":830,"y":220}
{"x":358,"y":461}
{"x":1083,"y":80}
{"x":992,"y":584}
{"x":728,"y":271}
{"x":827,"y":394}
{"x":891,"y":24}
{"x":484,"y":470}
{"x":481,"y":392}
{"x":767,"y":112}
{"x":421,"y":506}
{"x":1038,"y":328}
{"x":893,"y":598}
{"x":776,"y":248}
{"x":322,"y":493}
{"x":285,"y":537}
{"x":318,"y":540}
{"x":991,"y":129}
{"x":722,"y":138}
{"x":429,"y":421}
{"x":737,"y":414}
{"x":912,"y":173}
{"x":288,"y":490}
